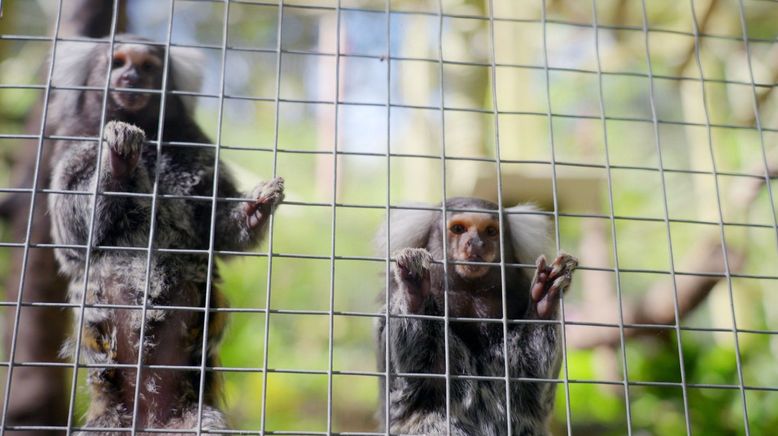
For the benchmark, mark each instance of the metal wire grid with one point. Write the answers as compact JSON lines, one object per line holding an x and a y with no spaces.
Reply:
{"x":550,"y":114}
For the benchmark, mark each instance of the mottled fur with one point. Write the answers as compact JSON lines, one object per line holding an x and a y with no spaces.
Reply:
{"x":417,"y":405}
{"x":168,"y":398}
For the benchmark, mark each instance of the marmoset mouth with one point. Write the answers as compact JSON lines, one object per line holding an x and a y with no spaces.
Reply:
{"x":471,"y":271}
{"x":478,"y":258}
{"x":131,"y":101}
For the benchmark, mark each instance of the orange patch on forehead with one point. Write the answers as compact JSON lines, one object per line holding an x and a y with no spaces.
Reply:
{"x":138,"y":54}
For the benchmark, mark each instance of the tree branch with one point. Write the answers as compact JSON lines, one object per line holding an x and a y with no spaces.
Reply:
{"x":658,"y":305}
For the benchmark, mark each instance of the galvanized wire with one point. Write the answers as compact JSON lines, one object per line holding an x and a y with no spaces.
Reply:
{"x":153,"y":227}
{"x":387,"y":205}
{"x":444,"y":230}
{"x":79,"y":329}
{"x":555,"y":196}
{"x":611,"y":208}
{"x":388,"y":221}
{"x":28,"y":232}
{"x":331,"y":314}
{"x":270,"y":253}
{"x":214,"y":214}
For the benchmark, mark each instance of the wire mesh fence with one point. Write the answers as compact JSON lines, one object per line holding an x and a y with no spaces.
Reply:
{"x":645,"y":129}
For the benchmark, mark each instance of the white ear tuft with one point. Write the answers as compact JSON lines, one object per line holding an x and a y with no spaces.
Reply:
{"x":410,"y":228}
{"x":71,"y":63}
{"x":529,"y":232}
{"x":188,"y":65}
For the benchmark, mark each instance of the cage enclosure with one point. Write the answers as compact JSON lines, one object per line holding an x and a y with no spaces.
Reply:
{"x":646,"y":132}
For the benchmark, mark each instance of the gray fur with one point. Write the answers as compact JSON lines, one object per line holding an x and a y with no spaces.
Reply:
{"x":417,"y":405}
{"x":72,"y":67}
{"x":187,"y":68}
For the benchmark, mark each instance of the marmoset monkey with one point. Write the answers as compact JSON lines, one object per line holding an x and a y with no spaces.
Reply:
{"x":168,"y":398}
{"x":417,"y":404}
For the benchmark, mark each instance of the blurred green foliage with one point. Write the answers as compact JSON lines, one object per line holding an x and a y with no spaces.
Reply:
{"x":303,"y":278}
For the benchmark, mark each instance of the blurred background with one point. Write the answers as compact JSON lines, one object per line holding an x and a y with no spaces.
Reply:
{"x":654,"y":125}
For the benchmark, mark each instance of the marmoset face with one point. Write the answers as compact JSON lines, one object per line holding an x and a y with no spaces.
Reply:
{"x":135,"y":66}
{"x":473,"y":237}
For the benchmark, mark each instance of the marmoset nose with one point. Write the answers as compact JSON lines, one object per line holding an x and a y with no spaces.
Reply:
{"x":130,"y":78}
{"x":474,"y":243}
